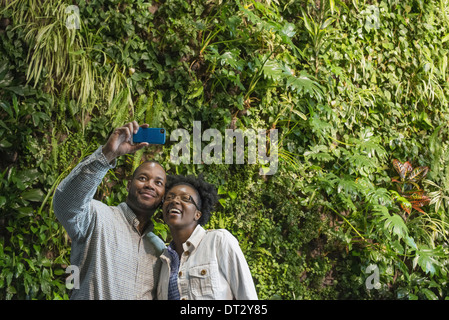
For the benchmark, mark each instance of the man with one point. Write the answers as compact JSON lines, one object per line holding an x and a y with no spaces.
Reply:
{"x":113,"y":246}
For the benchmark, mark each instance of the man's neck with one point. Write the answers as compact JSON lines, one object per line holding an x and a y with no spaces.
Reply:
{"x":144,"y":220}
{"x":144,"y":217}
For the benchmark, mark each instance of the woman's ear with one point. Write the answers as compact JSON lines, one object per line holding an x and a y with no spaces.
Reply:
{"x":198,"y":215}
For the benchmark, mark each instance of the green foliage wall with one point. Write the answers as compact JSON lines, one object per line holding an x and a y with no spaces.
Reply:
{"x":350,"y":86}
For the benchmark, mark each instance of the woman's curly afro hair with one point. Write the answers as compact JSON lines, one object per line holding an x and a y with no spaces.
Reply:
{"x":206,"y":192}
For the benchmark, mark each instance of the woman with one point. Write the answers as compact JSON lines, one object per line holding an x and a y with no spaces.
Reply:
{"x":199,"y":264}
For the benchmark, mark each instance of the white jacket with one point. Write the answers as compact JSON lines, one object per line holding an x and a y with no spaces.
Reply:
{"x":212,"y":267}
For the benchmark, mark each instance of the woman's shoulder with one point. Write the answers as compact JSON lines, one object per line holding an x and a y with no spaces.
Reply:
{"x":221,"y":235}
{"x":219,"y":232}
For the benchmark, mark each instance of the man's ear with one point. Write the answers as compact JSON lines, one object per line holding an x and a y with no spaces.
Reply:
{"x":127,"y":185}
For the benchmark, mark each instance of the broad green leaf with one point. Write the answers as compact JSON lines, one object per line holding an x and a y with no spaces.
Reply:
{"x":445,"y":38}
{"x":232,"y":194}
{"x":319,"y":152}
{"x":429,"y":294}
{"x":396,"y":225}
{"x":221,"y":190}
{"x":198,"y":91}
{"x":272,"y":69}
{"x":288,"y":30}
{"x":222,"y":202}
{"x":393,"y":224}
{"x":232,"y":59}
{"x":59,"y":272}
{"x":35,"y":195}
{"x":304,"y":83}
{"x":5,"y":144}
{"x":410,"y":242}
{"x":427,"y":259}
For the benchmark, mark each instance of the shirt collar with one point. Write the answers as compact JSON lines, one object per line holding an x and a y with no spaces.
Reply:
{"x":172,"y":251}
{"x":132,"y":218}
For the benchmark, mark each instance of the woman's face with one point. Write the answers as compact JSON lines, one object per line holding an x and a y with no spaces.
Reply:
{"x":179,"y":208}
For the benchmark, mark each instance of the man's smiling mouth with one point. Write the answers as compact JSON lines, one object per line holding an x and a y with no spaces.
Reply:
{"x":148,"y":194}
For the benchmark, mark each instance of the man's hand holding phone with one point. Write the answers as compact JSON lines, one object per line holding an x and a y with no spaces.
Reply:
{"x":123,"y":140}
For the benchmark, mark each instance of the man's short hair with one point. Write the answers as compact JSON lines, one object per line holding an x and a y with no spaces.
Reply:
{"x":146,"y":161}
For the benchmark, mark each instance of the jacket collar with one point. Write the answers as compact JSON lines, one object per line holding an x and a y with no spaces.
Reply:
{"x":194,"y":239}
{"x":190,"y":245}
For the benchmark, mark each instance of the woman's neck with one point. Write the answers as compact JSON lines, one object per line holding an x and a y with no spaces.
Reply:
{"x":180,"y":236}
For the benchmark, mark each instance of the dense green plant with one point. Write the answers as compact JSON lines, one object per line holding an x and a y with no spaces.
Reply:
{"x":350,"y":86}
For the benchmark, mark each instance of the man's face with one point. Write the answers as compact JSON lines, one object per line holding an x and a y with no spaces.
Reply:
{"x":147,"y":188}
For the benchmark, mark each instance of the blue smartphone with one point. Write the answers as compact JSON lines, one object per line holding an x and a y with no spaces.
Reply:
{"x":150,"y":135}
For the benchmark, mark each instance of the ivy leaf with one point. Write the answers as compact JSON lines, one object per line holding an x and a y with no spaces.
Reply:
{"x":221,"y":190}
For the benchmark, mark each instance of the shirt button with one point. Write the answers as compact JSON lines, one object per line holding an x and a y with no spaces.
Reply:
{"x":186,"y":253}
{"x":203,"y":272}
{"x":180,"y":273}
{"x":188,"y":243}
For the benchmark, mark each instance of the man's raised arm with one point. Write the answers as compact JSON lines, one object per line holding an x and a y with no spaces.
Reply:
{"x":73,"y":197}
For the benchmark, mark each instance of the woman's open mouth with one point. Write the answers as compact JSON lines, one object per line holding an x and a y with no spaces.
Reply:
{"x":174,"y":211}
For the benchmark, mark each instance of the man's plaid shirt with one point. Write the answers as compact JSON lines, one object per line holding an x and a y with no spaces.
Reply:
{"x":114,"y":260}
